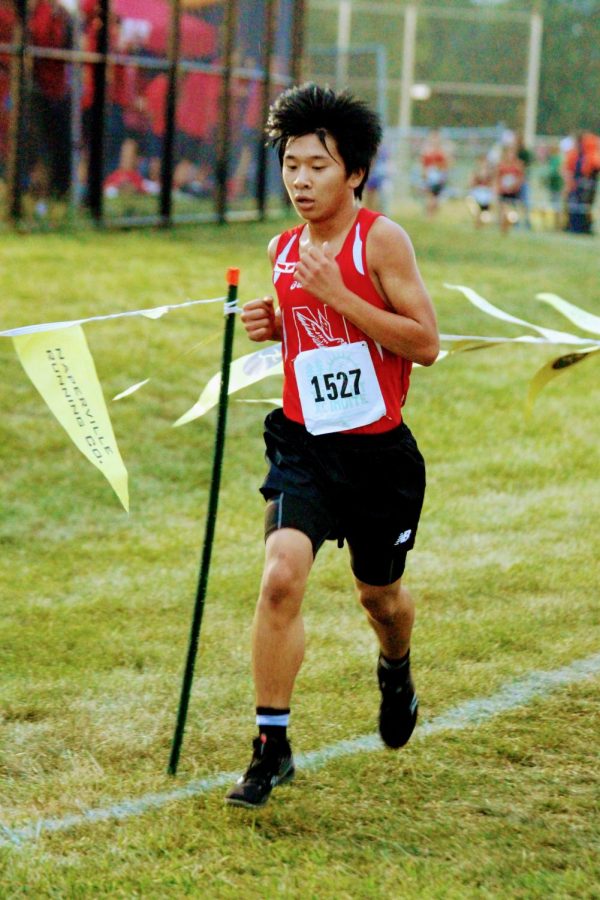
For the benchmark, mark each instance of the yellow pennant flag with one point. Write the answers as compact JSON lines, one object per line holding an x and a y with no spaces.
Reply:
{"x":244,"y":371}
{"x":551,"y":370}
{"x":583,"y":319}
{"x":61,"y":367}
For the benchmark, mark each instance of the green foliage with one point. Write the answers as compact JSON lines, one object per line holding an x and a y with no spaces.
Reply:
{"x":96,"y":605}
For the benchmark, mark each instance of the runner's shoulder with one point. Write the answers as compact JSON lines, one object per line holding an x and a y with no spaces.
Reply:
{"x":387,"y":237}
{"x":272,"y":248}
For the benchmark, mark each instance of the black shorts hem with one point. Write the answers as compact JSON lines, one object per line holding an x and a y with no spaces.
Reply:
{"x":365,"y":489}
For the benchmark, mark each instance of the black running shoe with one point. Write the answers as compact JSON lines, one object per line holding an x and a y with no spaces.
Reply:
{"x":399,"y":705}
{"x":272,"y":763}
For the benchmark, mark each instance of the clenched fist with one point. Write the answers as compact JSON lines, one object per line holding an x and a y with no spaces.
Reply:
{"x":260,"y":320}
{"x":319,"y":273}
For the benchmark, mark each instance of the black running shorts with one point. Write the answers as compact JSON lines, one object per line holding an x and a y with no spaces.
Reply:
{"x":366,"y":489}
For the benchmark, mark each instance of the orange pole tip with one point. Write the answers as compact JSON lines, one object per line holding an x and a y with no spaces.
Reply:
{"x":233,"y":277}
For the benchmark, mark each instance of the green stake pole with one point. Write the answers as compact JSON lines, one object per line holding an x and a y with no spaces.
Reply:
{"x":211,"y":518}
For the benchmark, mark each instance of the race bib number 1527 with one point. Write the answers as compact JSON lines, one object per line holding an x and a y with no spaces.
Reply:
{"x":338,"y":388}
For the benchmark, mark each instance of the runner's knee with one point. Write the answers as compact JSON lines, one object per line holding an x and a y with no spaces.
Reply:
{"x":282,"y":587}
{"x":383,"y":604}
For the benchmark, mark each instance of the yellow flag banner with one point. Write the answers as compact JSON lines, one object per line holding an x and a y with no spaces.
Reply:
{"x":549,"y":334}
{"x":57,"y":359}
{"x":551,"y":370}
{"x":61,"y":367}
{"x":244,"y":371}
{"x":580,"y":317}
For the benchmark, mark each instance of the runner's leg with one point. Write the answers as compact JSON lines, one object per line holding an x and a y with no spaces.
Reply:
{"x":390,"y":612}
{"x":278,"y":629}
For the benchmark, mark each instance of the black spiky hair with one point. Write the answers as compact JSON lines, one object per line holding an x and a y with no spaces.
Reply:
{"x":311,"y":109}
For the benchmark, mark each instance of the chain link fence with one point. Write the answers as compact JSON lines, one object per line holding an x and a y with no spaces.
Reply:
{"x":141,"y":111}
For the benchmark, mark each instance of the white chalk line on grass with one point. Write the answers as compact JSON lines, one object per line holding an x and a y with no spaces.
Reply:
{"x":517,"y":693}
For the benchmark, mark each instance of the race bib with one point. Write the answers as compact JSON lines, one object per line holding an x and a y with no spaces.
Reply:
{"x":338,"y":388}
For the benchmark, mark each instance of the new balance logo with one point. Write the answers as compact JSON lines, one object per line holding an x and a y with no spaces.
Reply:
{"x":403,"y":537}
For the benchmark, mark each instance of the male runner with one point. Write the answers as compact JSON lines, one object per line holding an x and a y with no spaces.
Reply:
{"x":353,"y":316}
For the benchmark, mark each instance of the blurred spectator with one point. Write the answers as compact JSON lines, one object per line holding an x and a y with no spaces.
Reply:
{"x":197,"y":122}
{"x":481,"y":191}
{"x":435,"y":165}
{"x":582,"y":165}
{"x":126,"y":178}
{"x":126,"y":115}
{"x":49,"y":114}
{"x":509,"y":179}
{"x":137,"y":118}
{"x":554,"y":183}
{"x":246,"y":130}
{"x":196,"y":119}
{"x":154,"y":98}
{"x":377,"y":182}
{"x":7,"y":24}
{"x":527,"y":157}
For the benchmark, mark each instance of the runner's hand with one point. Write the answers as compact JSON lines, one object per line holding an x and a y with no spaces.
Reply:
{"x":258,"y":318}
{"x":319,"y":273}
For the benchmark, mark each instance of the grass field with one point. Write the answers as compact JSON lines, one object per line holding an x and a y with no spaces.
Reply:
{"x":96,"y":605}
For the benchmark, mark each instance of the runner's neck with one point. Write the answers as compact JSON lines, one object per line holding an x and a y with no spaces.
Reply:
{"x":334,"y":232}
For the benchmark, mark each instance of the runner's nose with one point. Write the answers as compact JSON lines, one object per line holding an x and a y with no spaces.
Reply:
{"x":302,"y":178}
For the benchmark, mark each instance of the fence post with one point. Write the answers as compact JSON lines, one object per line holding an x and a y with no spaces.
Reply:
{"x":224,"y":143}
{"x":16,"y":163}
{"x":261,"y":180}
{"x":405,"y":112}
{"x":168,"y":149}
{"x":98,"y":113}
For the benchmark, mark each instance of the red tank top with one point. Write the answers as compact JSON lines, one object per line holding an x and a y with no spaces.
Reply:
{"x":308,"y":323}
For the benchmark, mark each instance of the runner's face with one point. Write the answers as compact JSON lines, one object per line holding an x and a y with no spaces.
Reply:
{"x":316,"y":179}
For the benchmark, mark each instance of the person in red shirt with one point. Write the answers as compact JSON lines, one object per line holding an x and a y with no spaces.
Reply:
{"x":197,"y":121}
{"x":7,"y":24}
{"x":247,"y":122}
{"x":127,"y":178}
{"x":126,"y":115}
{"x":435,"y":165}
{"x":49,"y":114}
{"x":481,"y":191}
{"x":353,"y":316}
{"x":582,"y":168}
{"x":510,"y":175}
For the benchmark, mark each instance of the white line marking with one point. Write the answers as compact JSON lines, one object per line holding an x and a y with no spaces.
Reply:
{"x":473,"y":712}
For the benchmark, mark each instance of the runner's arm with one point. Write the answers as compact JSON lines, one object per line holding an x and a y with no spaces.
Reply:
{"x":259,"y":317}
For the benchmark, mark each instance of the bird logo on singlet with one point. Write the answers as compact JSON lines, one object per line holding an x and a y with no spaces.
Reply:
{"x":317,"y":327}
{"x":313,"y":328}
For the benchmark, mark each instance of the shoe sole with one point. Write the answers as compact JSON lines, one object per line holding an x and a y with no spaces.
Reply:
{"x":245,"y":804}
